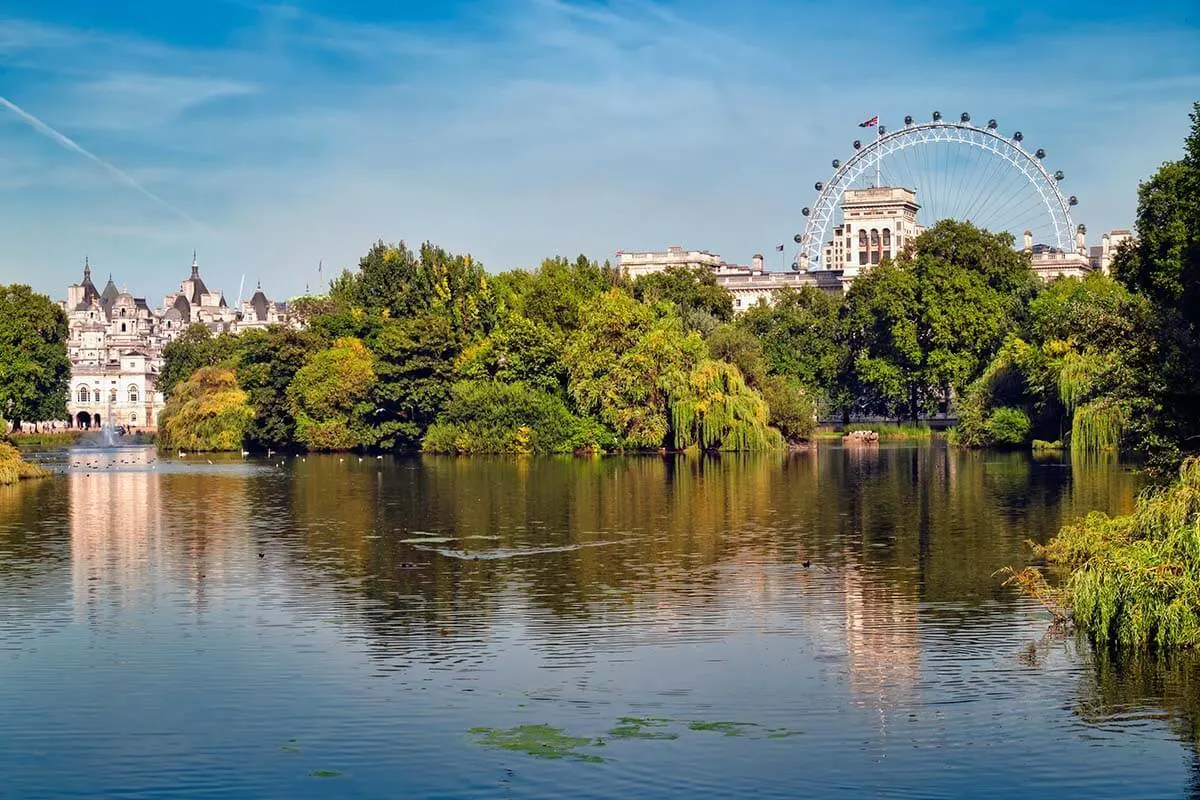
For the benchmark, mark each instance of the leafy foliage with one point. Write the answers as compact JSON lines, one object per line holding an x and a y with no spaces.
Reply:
{"x":495,"y":417}
{"x":34,"y":370}
{"x":196,"y":347}
{"x":206,"y":412}
{"x":716,"y":410}
{"x":14,"y":468}
{"x":330,"y":397}
{"x":1135,"y":580}
{"x":266,"y":363}
{"x":689,"y":291}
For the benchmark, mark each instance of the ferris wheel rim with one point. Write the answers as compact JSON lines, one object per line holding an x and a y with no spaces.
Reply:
{"x":819,"y":218}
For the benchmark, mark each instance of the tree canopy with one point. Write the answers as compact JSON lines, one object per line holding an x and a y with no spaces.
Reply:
{"x":35,"y":373}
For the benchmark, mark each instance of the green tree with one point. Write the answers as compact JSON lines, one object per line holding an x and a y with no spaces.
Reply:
{"x":714,"y":409}
{"x":1164,"y":266}
{"x":792,"y":409}
{"x":493,"y":417}
{"x":625,"y":364}
{"x":801,"y":337}
{"x":34,"y":370}
{"x":196,"y":347}
{"x":207,"y":412}
{"x":414,"y":362}
{"x":266,"y":363}
{"x":922,"y":328}
{"x":737,"y":345}
{"x":330,"y":397}
{"x":692,"y":291}
{"x":519,"y":350}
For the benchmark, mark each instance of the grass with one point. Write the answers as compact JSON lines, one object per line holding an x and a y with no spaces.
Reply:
{"x":14,"y":468}
{"x":907,"y":430}
{"x":45,"y":439}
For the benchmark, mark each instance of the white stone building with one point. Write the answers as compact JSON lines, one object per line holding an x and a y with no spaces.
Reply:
{"x":876,"y":224}
{"x":116,"y":342}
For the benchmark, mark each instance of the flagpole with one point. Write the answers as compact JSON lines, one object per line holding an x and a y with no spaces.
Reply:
{"x":878,"y":154}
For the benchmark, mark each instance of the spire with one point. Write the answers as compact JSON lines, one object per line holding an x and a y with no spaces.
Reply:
{"x":87,"y":269}
{"x":195,"y":266}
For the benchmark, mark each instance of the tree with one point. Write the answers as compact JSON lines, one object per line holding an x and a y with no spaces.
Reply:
{"x":266,"y":363}
{"x":330,"y":397}
{"x":714,"y":409}
{"x":414,"y":362}
{"x":792,"y":410}
{"x":922,"y":328}
{"x":35,"y":372}
{"x":1163,"y":265}
{"x":690,"y":290}
{"x":207,"y":412}
{"x":801,"y":337}
{"x":519,"y":350}
{"x":740,"y":347}
{"x":625,"y":365}
{"x":493,"y":417}
{"x":196,"y":347}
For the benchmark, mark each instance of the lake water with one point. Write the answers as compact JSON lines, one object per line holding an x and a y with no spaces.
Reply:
{"x":337,"y":627}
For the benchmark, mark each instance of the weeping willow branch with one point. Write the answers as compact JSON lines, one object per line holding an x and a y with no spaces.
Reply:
{"x":1097,"y":426}
{"x":716,"y":410}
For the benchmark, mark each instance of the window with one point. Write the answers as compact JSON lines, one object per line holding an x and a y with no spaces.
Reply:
{"x":133,"y":419}
{"x":887,"y":237}
{"x":874,"y":237}
{"x":862,"y":239}
{"x":112,"y":396}
{"x":133,"y":393}
{"x":83,"y":394}
{"x":122,"y":327}
{"x":96,"y":396}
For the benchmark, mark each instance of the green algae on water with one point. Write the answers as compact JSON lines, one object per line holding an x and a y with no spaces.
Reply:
{"x":727,"y":728}
{"x":642,"y":728}
{"x":539,"y":741}
{"x":324,"y":773}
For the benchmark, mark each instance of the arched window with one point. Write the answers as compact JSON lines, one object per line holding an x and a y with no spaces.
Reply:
{"x":887,"y":237}
{"x":133,"y":393}
{"x":96,"y":396}
{"x":862,"y":238}
{"x":168,"y":323}
{"x":83,"y":394}
{"x":133,"y":419}
{"x":874,"y":237}
{"x":122,"y":314}
{"x":122,"y":327}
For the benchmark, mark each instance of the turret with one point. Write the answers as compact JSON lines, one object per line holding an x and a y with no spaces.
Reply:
{"x":757,"y":262}
{"x":1028,"y":241}
{"x":1081,"y":240}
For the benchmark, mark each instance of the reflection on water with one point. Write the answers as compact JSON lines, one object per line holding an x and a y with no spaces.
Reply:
{"x":235,"y":628}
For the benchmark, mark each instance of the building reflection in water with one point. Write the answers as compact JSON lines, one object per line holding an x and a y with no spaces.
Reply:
{"x":135,"y":533}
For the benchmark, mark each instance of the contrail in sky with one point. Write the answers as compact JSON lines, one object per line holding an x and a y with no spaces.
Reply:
{"x":70,"y":144}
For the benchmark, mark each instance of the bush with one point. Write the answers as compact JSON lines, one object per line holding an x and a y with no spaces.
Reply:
{"x":1008,"y":427}
{"x":14,"y":468}
{"x":792,"y":410}
{"x":493,"y":417}
{"x":1135,"y":580}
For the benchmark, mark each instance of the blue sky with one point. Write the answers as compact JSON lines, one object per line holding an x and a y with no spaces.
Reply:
{"x":268,"y":137}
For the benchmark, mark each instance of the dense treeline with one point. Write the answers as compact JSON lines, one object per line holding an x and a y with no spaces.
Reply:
{"x":424,"y":350}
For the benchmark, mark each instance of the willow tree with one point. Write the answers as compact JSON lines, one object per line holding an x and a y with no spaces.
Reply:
{"x":207,"y":412}
{"x":716,"y":410}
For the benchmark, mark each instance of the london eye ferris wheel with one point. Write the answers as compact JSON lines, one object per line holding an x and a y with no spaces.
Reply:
{"x":957,"y":170}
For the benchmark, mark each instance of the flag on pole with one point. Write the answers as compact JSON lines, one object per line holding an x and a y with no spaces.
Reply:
{"x":871,"y":123}
{"x":779,"y":248}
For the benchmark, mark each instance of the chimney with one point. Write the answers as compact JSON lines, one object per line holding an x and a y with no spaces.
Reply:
{"x":1028,"y":241}
{"x":1081,"y":239}
{"x":757,"y":262}
{"x":802,"y":264}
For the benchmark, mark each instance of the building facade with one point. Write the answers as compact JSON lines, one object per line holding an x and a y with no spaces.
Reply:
{"x":116,"y":343}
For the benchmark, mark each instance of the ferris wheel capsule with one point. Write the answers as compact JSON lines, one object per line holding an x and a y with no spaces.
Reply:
{"x":804,"y":211}
{"x":836,"y":163}
{"x":1072,"y":200}
{"x":818,"y":186}
{"x":882,"y":130}
{"x":1018,"y":136}
{"x":965,"y":117}
{"x":908,"y":120}
{"x":992,"y":124}
{"x":1059,"y":175}
{"x":799,"y":237}
{"x":1040,"y":154}
{"x":937,"y":116}
{"x":857,"y":144}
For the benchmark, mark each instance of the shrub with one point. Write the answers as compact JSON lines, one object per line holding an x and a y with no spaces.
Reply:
{"x":1008,"y":427}
{"x":14,"y":468}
